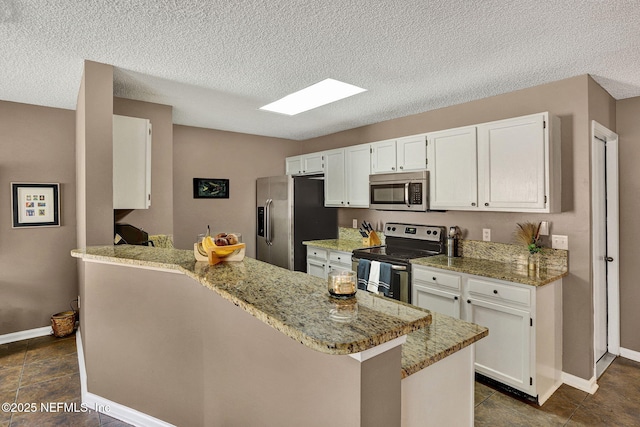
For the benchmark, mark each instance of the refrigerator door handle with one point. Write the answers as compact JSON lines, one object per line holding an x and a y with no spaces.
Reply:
{"x":267,"y":222}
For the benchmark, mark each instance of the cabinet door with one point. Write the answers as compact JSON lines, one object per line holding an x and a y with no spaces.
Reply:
{"x":131,"y":163}
{"x":357,"y":170}
{"x":293,"y":165}
{"x":313,"y":163}
{"x":436,"y":300}
{"x":411,"y":153}
{"x":452,"y":161}
{"x":383,"y":156}
{"x":505,"y":354}
{"x":511,"y":164}
{"x":334,"y":178}
{"x":316,"y":268}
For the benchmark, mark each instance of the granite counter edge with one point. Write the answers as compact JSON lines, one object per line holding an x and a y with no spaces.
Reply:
{"x":306,"y":340}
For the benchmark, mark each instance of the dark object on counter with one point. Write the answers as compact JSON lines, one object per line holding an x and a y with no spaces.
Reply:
{"x":127,"y":234}
{"x":452,"y":247}
{"x":452,"y":241}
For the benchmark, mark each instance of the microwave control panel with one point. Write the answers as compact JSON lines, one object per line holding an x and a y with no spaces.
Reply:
{"x":415,"y":193}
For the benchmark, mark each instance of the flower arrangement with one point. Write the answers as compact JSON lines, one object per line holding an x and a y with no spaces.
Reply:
{"x":529,"y":235}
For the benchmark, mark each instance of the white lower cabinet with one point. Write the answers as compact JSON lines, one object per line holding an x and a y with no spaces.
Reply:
{"x":437,"y":300}
{"x":524,"y":346}
{"x":317,"y":261}
{"x":339,"y":260}
{"x":320,"y":261}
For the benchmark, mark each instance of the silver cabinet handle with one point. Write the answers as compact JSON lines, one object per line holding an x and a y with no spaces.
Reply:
{"x":406,"y":194}
{"x":267,"y":222}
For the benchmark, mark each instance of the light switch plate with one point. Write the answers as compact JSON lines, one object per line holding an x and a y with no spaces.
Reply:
{"x":355,"y":223}
{"x":560,"y":242}
{"x":486,"y":234}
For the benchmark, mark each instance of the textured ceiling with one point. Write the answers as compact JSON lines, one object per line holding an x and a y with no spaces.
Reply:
{"x":216,"y":62}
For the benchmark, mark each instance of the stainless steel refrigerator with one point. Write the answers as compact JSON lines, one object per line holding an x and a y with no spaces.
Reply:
{"x":291,"y":210}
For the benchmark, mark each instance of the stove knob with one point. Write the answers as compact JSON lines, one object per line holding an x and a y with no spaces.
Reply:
{"x":435,"y":232}
{"x":393,"y":229}
{"x":388,"y":228}
{"x":428,"y":231}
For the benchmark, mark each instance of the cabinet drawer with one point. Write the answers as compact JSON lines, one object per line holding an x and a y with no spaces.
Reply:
{"x":436,"y":277}
{"x":340,"y":258}
{"x":500,"y":291}
{"x":313,"y":252}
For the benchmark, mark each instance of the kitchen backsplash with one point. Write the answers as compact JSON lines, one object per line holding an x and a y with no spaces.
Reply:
{"x":345,"y":233}
{"x":517,"y":254}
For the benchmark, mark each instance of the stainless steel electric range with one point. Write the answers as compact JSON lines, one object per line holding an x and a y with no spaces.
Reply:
{"x":404,"y":242}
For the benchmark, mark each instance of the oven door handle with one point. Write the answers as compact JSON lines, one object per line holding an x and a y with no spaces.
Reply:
{"x":393,"y":266}
{"x":406,"y":194}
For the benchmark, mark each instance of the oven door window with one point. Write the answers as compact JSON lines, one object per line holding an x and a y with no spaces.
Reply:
{"x":387,"y":194}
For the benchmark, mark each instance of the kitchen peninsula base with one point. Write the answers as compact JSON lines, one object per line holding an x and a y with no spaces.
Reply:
{"x":162,"y":345}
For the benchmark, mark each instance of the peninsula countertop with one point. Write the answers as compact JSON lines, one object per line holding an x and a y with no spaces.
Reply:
{"x":294,"y":303}
{"x":509,"y":272}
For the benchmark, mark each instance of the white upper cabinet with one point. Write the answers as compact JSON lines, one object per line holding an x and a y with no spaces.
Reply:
{"x":357,"y":171}
{"x":131,"y":163}
{"x":383,"y":156}
{"x":509,"y":165}
{"x":334,"y":179}
{"x":293,"y":165}
{"x":399,"y":155}
{"x":411,"y":153}
{"x":306,"y":164}
{"x":346,"y":177}
{"x":513,"y":164}
{"x":453,"y":176}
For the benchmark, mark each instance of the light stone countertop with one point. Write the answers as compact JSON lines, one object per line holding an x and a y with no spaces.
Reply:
{"x":508,"y":271}
{"x":293,"y":303}
{"x":443,"y":337}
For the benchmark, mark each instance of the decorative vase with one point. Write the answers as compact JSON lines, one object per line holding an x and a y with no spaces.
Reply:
{"x":534,"y":263}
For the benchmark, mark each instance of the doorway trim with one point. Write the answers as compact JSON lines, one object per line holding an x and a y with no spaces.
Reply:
{"x":599,"y":133}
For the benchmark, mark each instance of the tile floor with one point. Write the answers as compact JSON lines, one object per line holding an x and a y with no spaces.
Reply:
{"x":45,"y":369}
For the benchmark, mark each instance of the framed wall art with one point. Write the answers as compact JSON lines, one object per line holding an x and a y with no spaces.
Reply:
{"x":210,"y":188}
{"x":35,"y":205}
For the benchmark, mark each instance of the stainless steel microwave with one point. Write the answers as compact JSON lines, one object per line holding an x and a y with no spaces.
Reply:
{"x":403,"y":191}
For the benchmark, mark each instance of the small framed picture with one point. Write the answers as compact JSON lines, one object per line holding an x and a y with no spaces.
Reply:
{"x":210,"y":188}
{"x":35,"y":205}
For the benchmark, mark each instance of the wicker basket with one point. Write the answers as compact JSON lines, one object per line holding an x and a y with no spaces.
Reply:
{"x":63,"y":323}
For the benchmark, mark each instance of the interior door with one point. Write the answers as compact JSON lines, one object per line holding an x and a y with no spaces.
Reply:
{"x":600,"y":249}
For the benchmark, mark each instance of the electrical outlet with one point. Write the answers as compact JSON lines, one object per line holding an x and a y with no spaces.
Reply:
{"x":560,"y":242}
{"x":355,"y":223}
{"x":486,"y":234}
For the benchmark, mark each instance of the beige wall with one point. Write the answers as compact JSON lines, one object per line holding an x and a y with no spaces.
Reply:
{"x":158,"y":219}
{"x":628,"y":129}
{"x":38,"y":277}
{"x":567,"y":99}
{"x":94,"y":155}
{"x":193,"y":358}
{"x":207,"y":153}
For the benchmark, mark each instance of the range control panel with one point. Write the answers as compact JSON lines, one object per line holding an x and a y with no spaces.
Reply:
{"x":433,"y":233}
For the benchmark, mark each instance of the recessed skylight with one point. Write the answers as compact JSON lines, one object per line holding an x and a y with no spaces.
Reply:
{"x":321,"y":93}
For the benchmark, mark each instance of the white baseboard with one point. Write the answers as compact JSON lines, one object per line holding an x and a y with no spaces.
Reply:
{"x":108,"y":407}
{"x":630,"y":354}
{"x":590,"y":386}
{"x":544,"y":397}
{"x":25,"y":335}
